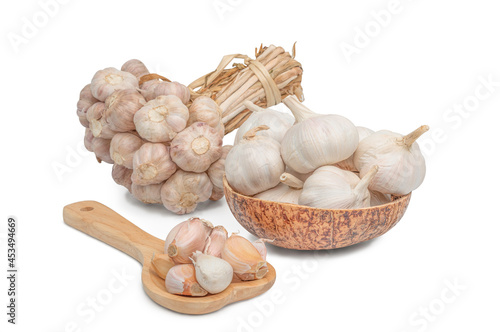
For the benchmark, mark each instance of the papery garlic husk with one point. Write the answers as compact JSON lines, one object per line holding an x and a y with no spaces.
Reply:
{"x":108,"y":80}
{"x":123,"y":147}
{"x":216,"y":174}
{"x":182,"y":192}
{"x":330,"y":187}
{"x":196,"y":147}
{"x":173,"y":232}
{"x":212,"y":273}
{"x":122,"y":176}
{"x":216,"y":241}
{"x":121,"y":107}
{"x":86,"y":100}
{"x":255,"y":164}
{"x":172,"y":89}
{"x":316,"y":140}
{"x":402,"y":165}
{"x":100,"y":146}
{"x":181,"y":280}
{"x":97,"y":122}
{"x":278,"y":122}
{"x":190,"y":237}
{"x":136,"y":68}
{"x":348,"y":164}
{"x":147,"y":89}
{"x":161,"y":264}
{"x":245,"y":259}
{"x":150,"y":194}
{"x":152,"y":164}
{"x":379,"y":198}
{"x":87,"y":140}
{"x":288,"y":191}
{"x":161,"y":119}
{"x":205,"y":109}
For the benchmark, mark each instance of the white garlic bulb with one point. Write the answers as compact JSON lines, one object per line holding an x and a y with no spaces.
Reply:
{"x":136,"y":68}
{"x":172,"y":89}
{"x":190,"y":237}
{"x":108,"y":80}
{"x":86,"y":100}
{"x":121,"y":107}
{"x":330,"y":187}
{"x":212,"y":273}
{"x":123,"y":147}
{"x":254,"y":165}
{"x":97,"y":121}
{"x":401,"y":163}
{"x":288,"y":191}
{"x":161,"y":119}
{"x":152,"y":164}
{"x":316,"y":140}
{"x":196,"y":147}
{"x":100,"y":146}
{"x":184,"y":190}
{"x":150,"y":194}
{"x":205,"y":109}
{"x":87,"y":140}
{"x":148,"y":89}
{"x":278,"y":122}
{"x":348,"y":164}
{"x":216,"y":174}
{"x":122,"y":176}
{"x":379,"y":198}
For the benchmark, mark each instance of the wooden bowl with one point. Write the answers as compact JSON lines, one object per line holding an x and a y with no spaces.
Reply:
{"x":307,"y":228}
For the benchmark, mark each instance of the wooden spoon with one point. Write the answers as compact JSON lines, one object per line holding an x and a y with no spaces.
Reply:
{"x":99,"y":221}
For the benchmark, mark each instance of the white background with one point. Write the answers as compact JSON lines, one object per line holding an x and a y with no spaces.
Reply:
{"x":428,"y":58}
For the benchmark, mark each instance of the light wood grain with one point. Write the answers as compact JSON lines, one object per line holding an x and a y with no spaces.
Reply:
{"x":102,"y":223}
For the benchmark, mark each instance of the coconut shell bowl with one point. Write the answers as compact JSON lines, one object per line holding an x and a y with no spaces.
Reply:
{"x":306,"y":228}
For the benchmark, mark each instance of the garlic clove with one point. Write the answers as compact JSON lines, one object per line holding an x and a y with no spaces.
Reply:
{"x":152,"y":164}
{"x":161,"y":264}
{"x":150,"y":194}
{"x":100,"y":146}
{"x":243,"y":257}
{"x":123,"y":147}
{"x":121,"y":107}
{"x":108,"y":80}
{"x":205,"y":109}
{"x":260,"y":245}
{"x":173,"y":89}
{"x":97,"y":121}
{"x":253,"y":275}
{"x":190,"y":237}
{"x":122,"y":176}
{"x":173,"y":232}
{"x":181,"y":280}
{"x":212,"y":273}
{"x":136,"y":68}
{"x":216,"y":241}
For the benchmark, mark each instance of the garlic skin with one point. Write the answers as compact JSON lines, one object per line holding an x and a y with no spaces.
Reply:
{"x":172,"y":89}
{"x":196,"y":147}
{"x":278,"y":122}
{"x":260,"y":245}
{"x":348,"y":164}
{"x":212,"y":273}
{"x":205,"y":109}
{"x":216,"y":241}
{"x":136,"y":68}
{"x":86,"y":100}
{"x":255,"y":164}
{"x":108,"y":80}
{"x":333,"y":188}
{"x":316,"y":140}
{"x":245,"y":259}
{"x":121,"y":107}
{"x":401,"y":163}
{"x":100,"y":146}
{"x":379,"y":198}
{"x":190,"y":237}
{"x":87,"y":140}
{"x":152,"y":164}
{"x":150,"y":194}
{"x":181,"y":280}
{"x":160,"y":119}
{"x":97,"y":122}
{"x":182,"y":192}
{"x":216,"y":174}
{"x":123,"y":147}
{"x":288,"y":191}
{"x":122,"y":176}
{"x":161,"y":264}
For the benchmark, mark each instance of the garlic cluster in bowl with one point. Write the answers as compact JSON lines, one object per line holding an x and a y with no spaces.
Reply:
{"x":322,"y":160}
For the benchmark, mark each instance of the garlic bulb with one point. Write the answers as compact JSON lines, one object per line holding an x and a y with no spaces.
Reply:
{"x":161,"y":264}
{"x":87,"y":140}
{"x":330,"y":187}
{"x":122,"y":176}
{"x":97,"y":122}
{"x":300,"y":176}
{"x":278,"y":122}
{"x":152,"y":164}
{"x":216,"y":241}
{"x":123,"y":147}
{"x":173,"y":89}
{"x":402,"y":165}
{"x":216,"y":174}
{"x":245,"y":259}
{"x":135,"y":67}
{"x":121,"y":107}
{"x":100,"y":146}
{"x":150,"y":194}
{"x":161,"y":119}
{"x":288,"y":191}
{"x":379,"y":198}
{"x":108,"y":80}
{"x":255,"y":164}
{"x":348,"y":164}
{"x":212,"y":273}
{"x":148,"y":89}
{"x":86,"y":100}
{"x":181,"y":280}
{"x":316,"y":140}
{"x":190,"y":237}
{"x":196,"y":147}
{"x":205,"y":109}
{"x":184,"y":190}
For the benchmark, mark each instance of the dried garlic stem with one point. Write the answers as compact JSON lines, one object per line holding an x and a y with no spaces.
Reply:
{"x":409,"y":139}
{"x":253,"y":132}
{"x":291,"y":181}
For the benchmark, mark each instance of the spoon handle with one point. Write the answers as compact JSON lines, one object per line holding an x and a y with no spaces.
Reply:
{"x":102,"y":223}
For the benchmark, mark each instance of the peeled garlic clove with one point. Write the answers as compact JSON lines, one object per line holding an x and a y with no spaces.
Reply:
{"x":316,"y":140}
{"x":173,"y":89}
{"x":184,"y":190}
{"x":181,"y":280}
{"x":122,"y":176}
{"x":196,"y":147}
{"x":97,"y":122}
{"x":205,"y":109}
{"x":191,"y":237}
{"x":161,"y":119}
{"x":288,"y":191}
{"x":278,"y":122}
{"x":216,"y":174}
{"x":150,"y":194}
{"x":87,"y":140}
{"x":161,"y":264}
{"x":402,"y":165}
{"x":136,"y":68}
{"x":123,"y":147}
{"x":152,"y":164}
{"x":108,"y":80}
{"x":212,"y":273}
{"x":86,"y":100}
{"x":348,"y":164}
{"x":254,"y":165}
{"x":244,"y":258}
{"x":121,"y":107}
{"x":216,"y":241}
{"x":100,"y":146}
{"x":379,"y":198}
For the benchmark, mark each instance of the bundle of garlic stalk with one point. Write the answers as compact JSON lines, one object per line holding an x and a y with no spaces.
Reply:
{"x":200,"y":259}
{"x":329,"y":162}
{"x":165,"y":139}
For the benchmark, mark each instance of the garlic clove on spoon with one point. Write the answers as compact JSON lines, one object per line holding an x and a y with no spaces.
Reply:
{"x":191,"y":237}
{"x":216,"y":241}
{"x":245,"y":259}
{"x":161,"y":264}
{"x":181,"y":280}
{"x":212,"y":273}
